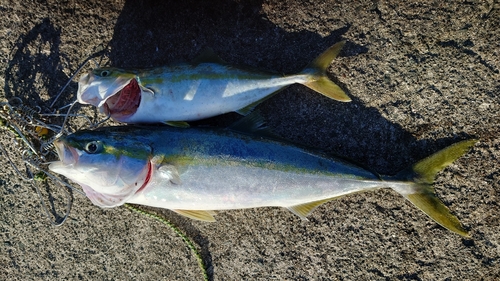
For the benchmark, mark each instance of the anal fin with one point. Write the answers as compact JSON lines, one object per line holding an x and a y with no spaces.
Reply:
{"x":303,"y":210}
{"x":249,"y":108}
{"x":200,"y":215}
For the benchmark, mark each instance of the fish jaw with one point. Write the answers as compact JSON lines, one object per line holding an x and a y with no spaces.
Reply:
{"x":95,"y":90}
{"x":110,"y":200}
{"x":67,"y":155}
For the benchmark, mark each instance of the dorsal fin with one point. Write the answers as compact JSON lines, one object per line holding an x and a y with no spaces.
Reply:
{"x":207,"y":56}
{"x":197,"y":215}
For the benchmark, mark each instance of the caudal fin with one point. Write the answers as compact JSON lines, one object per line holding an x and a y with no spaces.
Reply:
{"x":319,"y":80}
{"x":422,"y":194}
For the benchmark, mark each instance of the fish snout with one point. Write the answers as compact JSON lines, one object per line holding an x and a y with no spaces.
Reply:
{"x":86,"y":79}
{"x":85,"y":94}
{"x":67,"y":155}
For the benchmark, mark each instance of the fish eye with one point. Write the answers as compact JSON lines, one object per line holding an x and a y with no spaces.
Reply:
{"x":93,"y":147}
{"x":105,"y":73}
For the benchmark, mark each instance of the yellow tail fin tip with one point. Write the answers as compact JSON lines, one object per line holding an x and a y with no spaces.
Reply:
{"x":319,"y":81}
{"x":422,"y":194}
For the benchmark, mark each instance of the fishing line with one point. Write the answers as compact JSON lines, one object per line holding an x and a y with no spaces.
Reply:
{"x":69,"y":201}
{"x":32,"y":179}
{"x":14,"y":166}
{"x":102,"y":121}
{"x":67,"y":83}
{"x":97,"y":52}
{"x":61,"y":132}
{"x":18,"y":119}
{"x":201,"y":262}
{"x":32,"y":127}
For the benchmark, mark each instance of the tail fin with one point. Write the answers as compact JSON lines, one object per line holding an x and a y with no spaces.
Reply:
{"x":422,"y":194}
{"x":319,"y":81}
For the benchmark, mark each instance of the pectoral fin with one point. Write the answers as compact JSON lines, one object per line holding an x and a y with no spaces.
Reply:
{"x":197,"y":215}
{"x":146,"y":89}
{"x":303,"y":210}
{"x":169,"y":172}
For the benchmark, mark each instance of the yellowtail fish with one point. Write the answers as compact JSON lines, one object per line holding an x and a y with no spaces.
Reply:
{"x":187,"y":92}
{"x":196,"y":171}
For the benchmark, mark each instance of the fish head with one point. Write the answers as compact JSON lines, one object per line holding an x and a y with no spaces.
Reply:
{"x":109,"y":167}
{"x":114,"y":91}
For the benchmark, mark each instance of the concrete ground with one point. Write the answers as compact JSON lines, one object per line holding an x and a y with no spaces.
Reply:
{"x":422,"y":75}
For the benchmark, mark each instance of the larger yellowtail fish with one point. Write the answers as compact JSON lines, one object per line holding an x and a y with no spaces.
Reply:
{"x":196,"y":171}
{"x":196,"y":91}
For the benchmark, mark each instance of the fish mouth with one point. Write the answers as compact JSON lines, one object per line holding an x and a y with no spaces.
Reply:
{"x":84,"y":96}
{"x":68,"y":156}
{"x":125,"y":102}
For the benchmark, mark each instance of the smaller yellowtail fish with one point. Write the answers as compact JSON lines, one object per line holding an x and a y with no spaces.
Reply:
{"x":187,"y":92}
{"x":196,"y":171}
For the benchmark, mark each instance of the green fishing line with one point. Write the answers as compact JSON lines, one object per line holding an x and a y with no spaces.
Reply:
{"x":188,"y":242}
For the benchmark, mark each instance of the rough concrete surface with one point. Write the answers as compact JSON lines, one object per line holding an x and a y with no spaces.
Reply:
{"x":422,"y":75}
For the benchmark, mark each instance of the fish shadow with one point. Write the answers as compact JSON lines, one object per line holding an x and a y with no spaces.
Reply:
{"x":241,"y":34}
{"x":35,"y":72}
{"x":152,"y":33}
{"x":352,"y":131}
